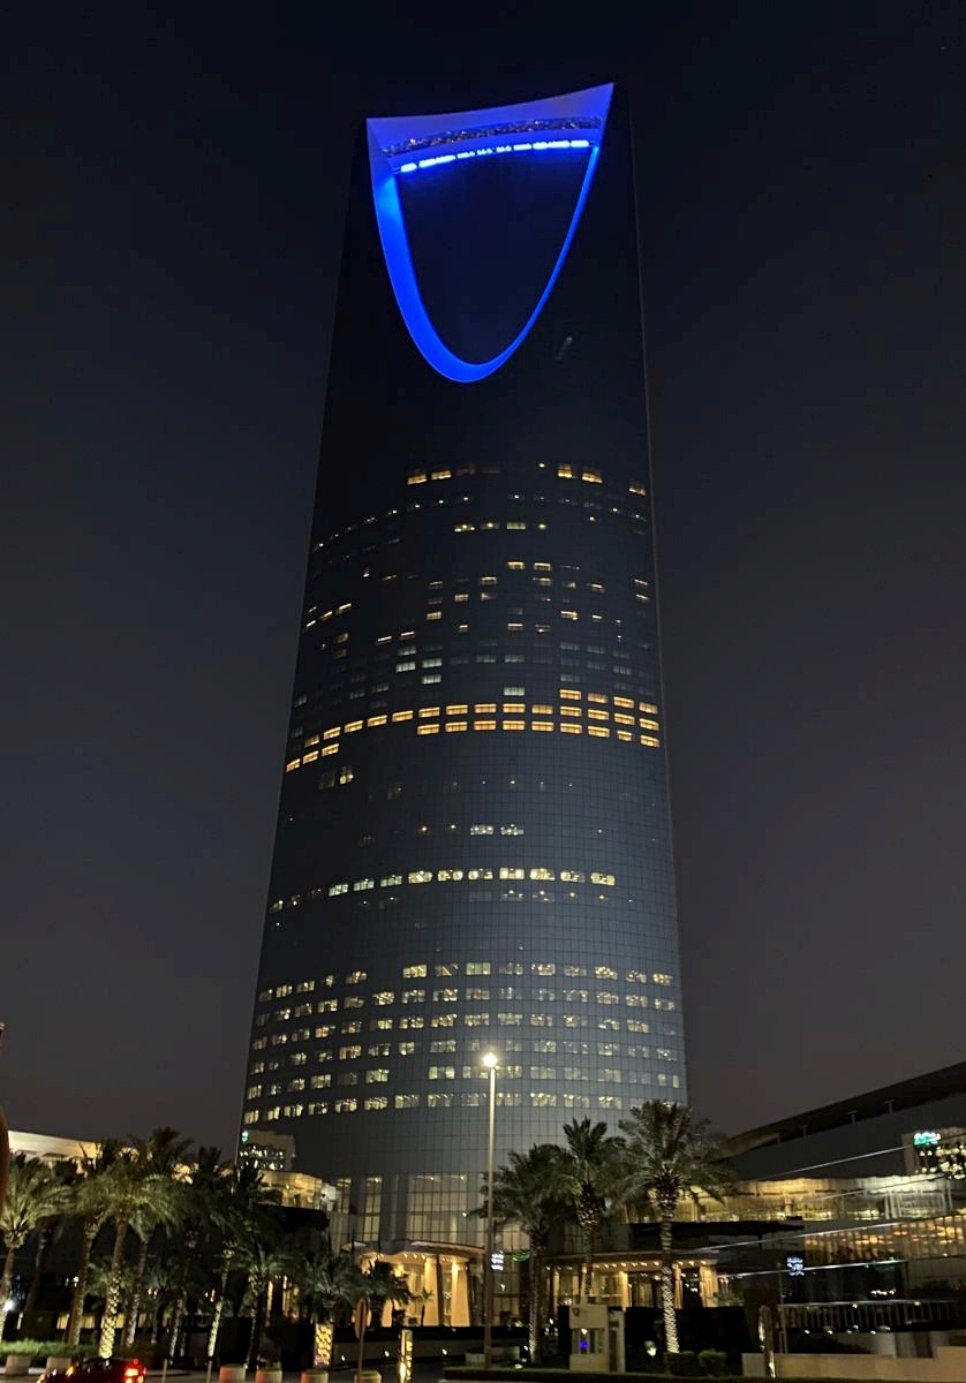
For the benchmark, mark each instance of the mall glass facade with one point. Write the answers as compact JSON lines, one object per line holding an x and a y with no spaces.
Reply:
{"x":473,"y":846}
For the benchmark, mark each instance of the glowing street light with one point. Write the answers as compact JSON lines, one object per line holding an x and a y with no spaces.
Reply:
{"x":490,"y":1061}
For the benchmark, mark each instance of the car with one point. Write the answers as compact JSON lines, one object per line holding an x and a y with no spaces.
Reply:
{"x":99,"y":1371}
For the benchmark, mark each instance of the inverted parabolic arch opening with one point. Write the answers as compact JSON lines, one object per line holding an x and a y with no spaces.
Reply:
{"x":405,"y":147}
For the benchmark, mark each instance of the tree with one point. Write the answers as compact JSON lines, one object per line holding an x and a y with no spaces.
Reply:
{"x":163,"y":1154}
{"x":198,"y":1196}
{"x":589,"y":1172}
{"x":89,"y":1202}
{"x":263,"y":1259}
{"x":381,"y":1283}
{"x":33,"y":1194}
{"x":134,"y":1187}
{"x":236,"y":1210}
{"x":529,"y":1192}
{"x":326,"y":1282}
{"x":66,"y":1175}
{"x":669,"y":1154}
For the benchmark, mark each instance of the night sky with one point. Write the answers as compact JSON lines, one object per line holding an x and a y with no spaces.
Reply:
{"x":173,"y":198}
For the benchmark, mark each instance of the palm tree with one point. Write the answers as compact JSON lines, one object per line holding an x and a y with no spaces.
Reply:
{"x":528,"y":1192}
{"x":134,"y":1187}
{"x":263,"y":1259}
{"x":89,"y":1201}
{"x":237,"y":1198}
{"x":163,"y":1154}
{"x":198,"y":1213}
{"x":669,"y":1154}
{"x":65,"y":1174}
{"x":381,"y":1283}
{"x":327,"y":1281}
{"x":33,"y":1194}
{"x":589,"y":1169}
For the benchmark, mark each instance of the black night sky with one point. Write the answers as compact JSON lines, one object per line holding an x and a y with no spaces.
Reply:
{"x":173,"y":198}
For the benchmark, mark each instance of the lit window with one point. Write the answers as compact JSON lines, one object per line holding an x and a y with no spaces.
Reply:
{"x":390,"y":880}
{"x":569,"y":694}
{"x":427,"y":729}
{"x":412,"y":996}
{"x":383,"y":997}
{"x":420,"y":876}
{"x":516,"y":566}
{"x":378,"y":1076}
{"x":407,"y":1048}
{"x":336,"y":889}
{"x":566,"y":729}
{"x":481,"y":830}
{"x":455,"y":726}
{"x":514,"y":725}
{"x":406,"y":1101}
{"x":377,"y":1102}
{"x":542,"y":874}
{"x":484,"y":725}
{"x":361,"y":885}
{"x":606,"y":879}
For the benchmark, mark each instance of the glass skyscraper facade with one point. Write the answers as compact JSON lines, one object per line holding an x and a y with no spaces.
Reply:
{"x":473,"y":848}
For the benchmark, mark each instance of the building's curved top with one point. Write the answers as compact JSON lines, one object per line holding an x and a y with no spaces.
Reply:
{"x":400,"y":146}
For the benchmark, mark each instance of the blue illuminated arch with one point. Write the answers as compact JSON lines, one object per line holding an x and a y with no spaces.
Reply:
{"x":575,"y":120}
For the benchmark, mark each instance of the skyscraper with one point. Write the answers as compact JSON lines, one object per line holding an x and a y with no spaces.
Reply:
{"x":473,"y":848}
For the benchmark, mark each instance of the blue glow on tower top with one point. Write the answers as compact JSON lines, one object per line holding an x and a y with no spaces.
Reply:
{"x":400,"y":146}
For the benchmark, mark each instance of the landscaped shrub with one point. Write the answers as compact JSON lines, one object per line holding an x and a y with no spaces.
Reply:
{"x":684,"y":1364}
{"x":713,"y":1362}
{"x":40,"y":1349}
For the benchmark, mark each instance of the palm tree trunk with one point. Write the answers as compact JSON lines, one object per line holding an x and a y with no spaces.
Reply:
{"x":76,"y":1319}
{"x":667,"y":1280}
{"x":134,"y":1307}
{"x":181,"y":1292}
{"x":219,"y":1309}
{"x":40,"y":1262}
{"x":587,"y":1235}
{"x":6,"y":1282}
{"x":113,"y":1296}
{"x":258,"y":1325}
{"x":536,"y":1304}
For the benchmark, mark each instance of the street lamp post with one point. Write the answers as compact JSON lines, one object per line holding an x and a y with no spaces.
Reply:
{"x":490,"y":1062}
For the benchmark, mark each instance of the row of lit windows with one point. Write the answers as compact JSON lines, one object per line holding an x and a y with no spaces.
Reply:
{"x":427,"y":721}
{"x":446,"y":970}
{"x":565,"y":471}
{"x":509,"y":1046}
{"x":385,"y":998}
{"x":538,"y":1099}
{"x":509,"y":1071}
{"x":418,"y":1022}
{"x":490,"y":524}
